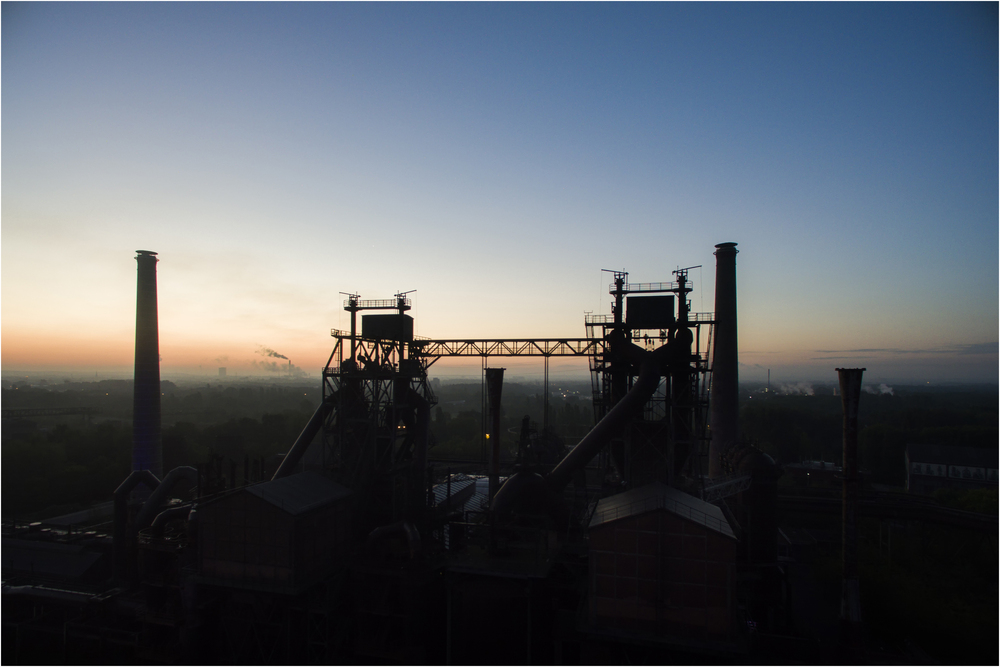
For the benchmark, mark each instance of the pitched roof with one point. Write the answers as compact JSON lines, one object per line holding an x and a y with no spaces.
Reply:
{"x":979,"y":457}
{"x":657,"y":496}
{"x":300,"y":493}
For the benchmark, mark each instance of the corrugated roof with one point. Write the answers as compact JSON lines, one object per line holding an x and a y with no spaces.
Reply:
{"x":979,"y":457}
{"x":657,"y":496}
{"x":300,"y":493}
{"x":459,"y":482}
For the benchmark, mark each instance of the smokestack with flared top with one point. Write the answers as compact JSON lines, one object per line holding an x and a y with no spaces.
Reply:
{"x":725,"y":372}
{"x":850,"y":601}
{"x":147,"y":453}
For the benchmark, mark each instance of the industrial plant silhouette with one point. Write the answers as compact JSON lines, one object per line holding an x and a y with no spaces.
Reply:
{"x":654,"y":539}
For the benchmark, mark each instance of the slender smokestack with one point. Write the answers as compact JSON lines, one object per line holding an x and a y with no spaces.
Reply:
{"x":494,"y":388}
{"x":725,"y":373}
{"x":146,"y":450}
{"x":850,"y":602}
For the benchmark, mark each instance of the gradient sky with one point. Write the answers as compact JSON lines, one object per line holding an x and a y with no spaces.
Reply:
{"x":495,"y":157}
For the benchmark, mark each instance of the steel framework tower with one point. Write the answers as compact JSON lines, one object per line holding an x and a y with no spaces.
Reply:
{"x":376,"y":432}
{"x":671,"y":438}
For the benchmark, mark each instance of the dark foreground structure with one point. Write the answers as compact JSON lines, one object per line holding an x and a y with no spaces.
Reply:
{"x":654,"y":539}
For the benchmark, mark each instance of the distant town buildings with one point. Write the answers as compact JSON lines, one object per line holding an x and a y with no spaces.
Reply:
{"x":933,"y":467}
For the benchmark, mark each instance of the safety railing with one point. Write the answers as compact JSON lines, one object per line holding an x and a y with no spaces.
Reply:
{"x":648,"y":287}
{"x":371,"y":304}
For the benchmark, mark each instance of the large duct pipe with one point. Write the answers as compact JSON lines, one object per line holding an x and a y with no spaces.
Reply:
{"x":159,"y":496}
{"x":850,"y":602}
{"x":305,"y":438}
{"x":725,"y":371}
{"x":613,"y":422}
{"x":147,"y":453}
{"x":526,"y":492}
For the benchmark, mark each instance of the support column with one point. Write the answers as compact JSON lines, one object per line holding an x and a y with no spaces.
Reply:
{"x":494,"y":387}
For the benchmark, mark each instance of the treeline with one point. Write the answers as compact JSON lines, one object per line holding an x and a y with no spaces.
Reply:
{"x":67,"y":464}
{"x":54,"y":465}
{"x":795,"y":428}
{"x":203,"y":404}
{"x":458,"y":418}
{"x":71,"y":467}
{"x":57,"y":465}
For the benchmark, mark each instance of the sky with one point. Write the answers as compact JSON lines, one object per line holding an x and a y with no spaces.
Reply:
{"x":494,"y":158}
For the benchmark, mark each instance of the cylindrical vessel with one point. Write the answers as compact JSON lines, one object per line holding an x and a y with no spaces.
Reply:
{"x":147,"y":453}
{"x":725,"y":361}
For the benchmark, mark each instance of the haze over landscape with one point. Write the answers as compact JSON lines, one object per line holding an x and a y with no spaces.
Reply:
{"x":494,"y":158}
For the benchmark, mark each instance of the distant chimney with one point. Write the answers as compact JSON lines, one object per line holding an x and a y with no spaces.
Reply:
{"x":147,"y":453}
{"x":725,"y":371}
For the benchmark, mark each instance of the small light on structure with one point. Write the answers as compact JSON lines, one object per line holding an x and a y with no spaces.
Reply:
{"x":487,"y":436}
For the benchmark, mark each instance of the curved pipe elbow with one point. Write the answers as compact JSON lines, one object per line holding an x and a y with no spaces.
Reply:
{"x":159,"y":495}
{"x":167,"y":515}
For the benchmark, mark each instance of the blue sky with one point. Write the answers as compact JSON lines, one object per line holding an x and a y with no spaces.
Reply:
{"x":495,"y":157}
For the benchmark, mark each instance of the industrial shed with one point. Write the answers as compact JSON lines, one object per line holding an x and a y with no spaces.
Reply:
{"x":285,"y":533}
{"x":662,"y":562}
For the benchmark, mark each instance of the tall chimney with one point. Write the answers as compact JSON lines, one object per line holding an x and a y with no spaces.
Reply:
{"x":850,"y":602}
{"x":147,"y":453}
{"x":725,"y":372}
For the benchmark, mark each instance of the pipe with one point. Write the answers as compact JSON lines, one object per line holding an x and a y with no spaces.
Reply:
{"x":725,"y":361}
{"x":305,"y":438}
{"x":121,"y":542}
{"x":167,"y":515}
{"x":147,"y":451}
{"x":850,"y":602}
{"x":159,"y":495}
{"x":644,"y":387}
{"x":526,"y":492}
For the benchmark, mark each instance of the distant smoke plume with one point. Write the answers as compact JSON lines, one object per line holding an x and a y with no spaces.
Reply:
{"x":800,"y":388}
{"x":223,"y":359}
{"x":275,"y":367}
{"x":882,"y":389}
{"x":268,"y":352}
